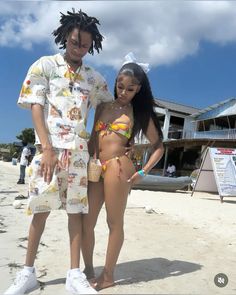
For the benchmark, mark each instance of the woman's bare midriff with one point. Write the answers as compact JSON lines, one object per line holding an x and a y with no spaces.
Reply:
{"x":113,"y":145}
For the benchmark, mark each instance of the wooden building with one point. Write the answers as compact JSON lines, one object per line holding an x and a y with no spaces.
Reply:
{"x":188,"y":132}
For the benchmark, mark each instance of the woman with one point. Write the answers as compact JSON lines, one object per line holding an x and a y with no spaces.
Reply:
{"x":116,"y":125}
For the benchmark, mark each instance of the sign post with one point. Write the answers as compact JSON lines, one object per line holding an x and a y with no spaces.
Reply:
{"x":218,"y":172}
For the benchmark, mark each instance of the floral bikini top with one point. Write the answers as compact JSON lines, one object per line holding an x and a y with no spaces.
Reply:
{"x":121,"y":128}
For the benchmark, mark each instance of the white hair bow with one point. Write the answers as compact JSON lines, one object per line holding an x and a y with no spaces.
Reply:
{"x":131,"y":58}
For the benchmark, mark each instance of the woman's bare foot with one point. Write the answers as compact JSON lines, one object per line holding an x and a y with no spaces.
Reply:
{"x":105,"y":280}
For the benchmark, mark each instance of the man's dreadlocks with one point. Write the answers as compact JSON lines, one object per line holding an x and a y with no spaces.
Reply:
{"x":81,"y":21}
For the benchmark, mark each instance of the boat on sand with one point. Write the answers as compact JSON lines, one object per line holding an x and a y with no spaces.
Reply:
{"x":163,"y":183}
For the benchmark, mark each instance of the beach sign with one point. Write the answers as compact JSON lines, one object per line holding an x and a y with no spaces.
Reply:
{"x":218,"y":172}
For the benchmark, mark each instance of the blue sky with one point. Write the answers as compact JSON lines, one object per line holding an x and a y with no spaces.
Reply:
{"x":190,"y":45}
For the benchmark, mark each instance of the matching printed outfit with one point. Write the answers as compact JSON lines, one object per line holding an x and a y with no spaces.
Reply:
{"x":66,"y":97}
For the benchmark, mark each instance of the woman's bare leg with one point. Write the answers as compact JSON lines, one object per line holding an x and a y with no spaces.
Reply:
{"x":35,"y":232}
{"x":116,"y":190}
{"x":96,"y":200}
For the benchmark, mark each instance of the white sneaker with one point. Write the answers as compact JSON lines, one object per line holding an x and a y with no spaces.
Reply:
{"x":76,"y":282}
{"x":25,"y":281}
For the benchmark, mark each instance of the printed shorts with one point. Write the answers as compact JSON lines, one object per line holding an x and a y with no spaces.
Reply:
{"x":68,"y":188}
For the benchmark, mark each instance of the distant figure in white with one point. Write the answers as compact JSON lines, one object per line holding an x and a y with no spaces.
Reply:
{"x":24,"y":161}
{"x":171,"y":170}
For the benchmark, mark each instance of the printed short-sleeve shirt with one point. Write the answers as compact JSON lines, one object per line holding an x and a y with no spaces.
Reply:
{"x":66,"y":97}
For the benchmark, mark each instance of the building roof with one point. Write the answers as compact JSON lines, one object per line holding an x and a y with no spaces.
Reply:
{"x":177,"y":107}
{"x":221,"y":109}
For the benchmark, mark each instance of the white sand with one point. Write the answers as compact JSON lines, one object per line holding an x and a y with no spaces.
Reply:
{"x":178,"y":249}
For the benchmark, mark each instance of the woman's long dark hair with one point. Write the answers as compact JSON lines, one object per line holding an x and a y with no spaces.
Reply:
{"x":83,"y":22}
{"x":143,"y":102}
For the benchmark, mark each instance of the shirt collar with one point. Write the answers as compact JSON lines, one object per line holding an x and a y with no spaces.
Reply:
{"x":59,"y":58}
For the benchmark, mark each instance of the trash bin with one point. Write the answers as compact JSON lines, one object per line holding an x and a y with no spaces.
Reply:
{"x":14,"y":161}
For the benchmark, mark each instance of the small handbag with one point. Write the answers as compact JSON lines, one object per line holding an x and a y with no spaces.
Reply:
{"x":94,"y":170}
{"x":94,"y":164}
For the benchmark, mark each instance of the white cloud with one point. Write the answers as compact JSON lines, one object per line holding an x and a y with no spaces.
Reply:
{"x":158,"y":32}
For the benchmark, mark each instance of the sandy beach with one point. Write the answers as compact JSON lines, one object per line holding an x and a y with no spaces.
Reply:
{"x":178,"y":248}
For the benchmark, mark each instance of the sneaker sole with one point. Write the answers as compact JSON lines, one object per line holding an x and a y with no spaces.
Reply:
{"x":33,"y":288}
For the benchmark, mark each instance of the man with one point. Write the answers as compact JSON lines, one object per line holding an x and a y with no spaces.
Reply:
{"x":171,"y":170}
{"x":24,"y":161}
{"x":59,"y":90}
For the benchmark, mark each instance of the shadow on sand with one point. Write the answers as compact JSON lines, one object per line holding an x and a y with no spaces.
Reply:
{"x":59,"y":281}
{"x":146,"y":270}
{"x":224,"y":201}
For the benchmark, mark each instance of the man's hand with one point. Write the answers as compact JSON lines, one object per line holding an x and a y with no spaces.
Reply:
{"x":48,"y":162}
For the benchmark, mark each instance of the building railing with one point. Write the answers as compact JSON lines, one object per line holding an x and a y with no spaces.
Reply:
{"x":175,"y":134}
{"x":180,"y":134}
{"x":213,"y":134}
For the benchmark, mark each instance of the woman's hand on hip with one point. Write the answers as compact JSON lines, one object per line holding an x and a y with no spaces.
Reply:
{"x":135,"y":178}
